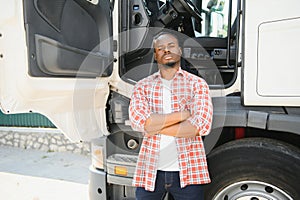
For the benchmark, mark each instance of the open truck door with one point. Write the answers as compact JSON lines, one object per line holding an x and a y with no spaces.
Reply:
{"x":56,"y":57}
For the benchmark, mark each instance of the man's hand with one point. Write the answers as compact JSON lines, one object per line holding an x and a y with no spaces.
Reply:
{"x":156,"y":122}
{"x":173,"y":124}
{"x":183,"y":130}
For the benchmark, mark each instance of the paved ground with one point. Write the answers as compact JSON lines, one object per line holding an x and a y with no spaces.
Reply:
{"x":37,"y":175}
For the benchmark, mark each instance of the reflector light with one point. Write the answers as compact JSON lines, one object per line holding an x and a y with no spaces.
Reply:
{"x":121,"y":170}
{"x":97,"y":157}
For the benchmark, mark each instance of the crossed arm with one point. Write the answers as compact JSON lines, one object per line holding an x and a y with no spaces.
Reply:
{"x":187,"y":124}
{"x":173,"y":124}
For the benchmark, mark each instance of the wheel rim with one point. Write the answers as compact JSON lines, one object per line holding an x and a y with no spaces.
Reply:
{"x":251,"y":190}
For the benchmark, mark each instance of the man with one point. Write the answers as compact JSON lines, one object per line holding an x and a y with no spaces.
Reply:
{"x":173,"y":109}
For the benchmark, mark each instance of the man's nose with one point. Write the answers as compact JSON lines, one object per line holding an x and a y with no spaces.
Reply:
{"x":167,"y":50}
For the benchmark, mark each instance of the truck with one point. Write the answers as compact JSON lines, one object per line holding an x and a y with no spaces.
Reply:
{"x":77,"y":61}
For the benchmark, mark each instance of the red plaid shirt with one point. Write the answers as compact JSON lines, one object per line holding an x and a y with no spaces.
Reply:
{"x":189,"y":92}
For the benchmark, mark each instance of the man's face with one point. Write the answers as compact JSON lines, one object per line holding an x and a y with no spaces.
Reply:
{"x":167,"y":51}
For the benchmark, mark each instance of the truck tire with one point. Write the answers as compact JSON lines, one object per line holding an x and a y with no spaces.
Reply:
{"x":254,"y":169}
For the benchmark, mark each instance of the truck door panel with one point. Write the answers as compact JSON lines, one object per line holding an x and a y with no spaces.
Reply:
{"x":56,"y":59}
{"x":137,"y":37}
{"x":271,"y":54}
{"x":66,"y":31}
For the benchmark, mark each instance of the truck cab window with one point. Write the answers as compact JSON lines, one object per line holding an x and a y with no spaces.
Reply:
{"x":205,"y":22}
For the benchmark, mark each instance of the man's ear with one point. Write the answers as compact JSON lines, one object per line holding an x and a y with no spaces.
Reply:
{"x":180,"y":51}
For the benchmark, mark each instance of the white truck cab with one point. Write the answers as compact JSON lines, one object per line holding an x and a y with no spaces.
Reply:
{"x":77,"y":61}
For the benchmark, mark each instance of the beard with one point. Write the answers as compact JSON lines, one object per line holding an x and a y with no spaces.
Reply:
{"x":170,"y":64}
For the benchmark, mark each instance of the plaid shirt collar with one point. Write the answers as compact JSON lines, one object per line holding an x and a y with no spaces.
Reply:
{"x":157,"y":75}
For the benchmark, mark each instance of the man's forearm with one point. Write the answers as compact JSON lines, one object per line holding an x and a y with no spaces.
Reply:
{"x":157,"y":122}
{"x":184,"y":129}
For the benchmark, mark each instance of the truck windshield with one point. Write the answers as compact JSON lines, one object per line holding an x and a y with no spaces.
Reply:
{"x":215,"y":17}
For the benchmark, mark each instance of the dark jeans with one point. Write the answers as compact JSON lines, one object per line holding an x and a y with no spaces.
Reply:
{"x":170,"y":182}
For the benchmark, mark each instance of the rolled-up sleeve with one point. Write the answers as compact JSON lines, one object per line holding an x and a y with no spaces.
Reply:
{"x":139,"y":110}
{"x":201,"y":108}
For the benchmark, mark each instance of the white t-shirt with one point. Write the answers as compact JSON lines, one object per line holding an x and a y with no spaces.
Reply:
{"x":168,"y":158}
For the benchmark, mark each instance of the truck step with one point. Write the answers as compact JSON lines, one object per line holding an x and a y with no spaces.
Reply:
{"x":122,"y":159}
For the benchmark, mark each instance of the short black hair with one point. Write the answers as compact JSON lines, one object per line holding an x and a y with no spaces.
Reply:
{"x":164,"y":33}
